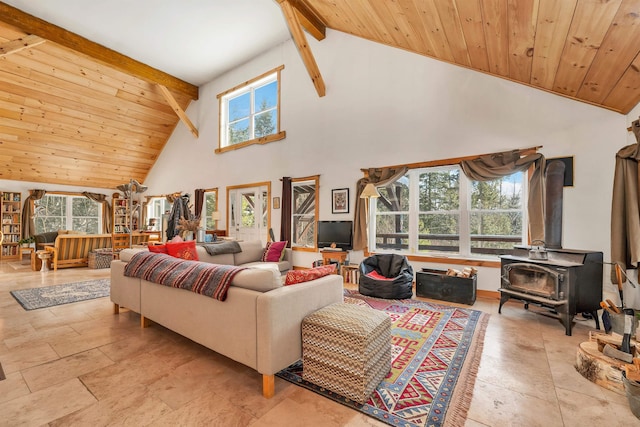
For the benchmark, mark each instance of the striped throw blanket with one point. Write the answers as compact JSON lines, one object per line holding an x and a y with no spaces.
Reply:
{"x":212,"y":280}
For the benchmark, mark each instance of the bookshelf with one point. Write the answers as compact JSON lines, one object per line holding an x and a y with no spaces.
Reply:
{"x":11,"y":215}
{"x":121,"y":215}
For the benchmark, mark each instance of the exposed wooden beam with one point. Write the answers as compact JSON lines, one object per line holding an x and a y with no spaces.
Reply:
{"x":36,"y":26}
{"x":309,"y":19}
{"x":17,"y":45}
{"x":178,"y":110}
{"x":301,"y":42}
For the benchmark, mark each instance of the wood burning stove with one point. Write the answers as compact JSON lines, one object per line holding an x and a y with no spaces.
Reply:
{"x":568,"y":282}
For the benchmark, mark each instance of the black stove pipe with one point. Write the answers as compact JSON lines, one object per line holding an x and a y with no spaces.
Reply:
{"x":554,"y":177}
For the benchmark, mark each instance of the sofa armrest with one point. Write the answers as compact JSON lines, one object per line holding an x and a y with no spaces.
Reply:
{"x":280,"y":314}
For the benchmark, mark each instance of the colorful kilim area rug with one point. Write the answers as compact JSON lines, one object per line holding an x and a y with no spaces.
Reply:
{"x":436,"y":351}
{"x":49,"y":296}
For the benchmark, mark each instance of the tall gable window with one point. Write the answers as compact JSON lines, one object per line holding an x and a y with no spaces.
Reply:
{"x":250,"y":113}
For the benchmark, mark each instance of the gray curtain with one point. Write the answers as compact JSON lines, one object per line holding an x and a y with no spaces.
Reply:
{"x":625,"y":206}
{"x":379,"y":177}
{"x":28,"y":224}
{"x":106,"y":209}
{"x":497,"y":165}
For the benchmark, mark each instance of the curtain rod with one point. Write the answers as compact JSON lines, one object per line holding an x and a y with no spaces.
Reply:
{"x":454,"y":160}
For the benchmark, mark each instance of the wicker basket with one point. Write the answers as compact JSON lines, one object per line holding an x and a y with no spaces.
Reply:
{"x":100,"y":258}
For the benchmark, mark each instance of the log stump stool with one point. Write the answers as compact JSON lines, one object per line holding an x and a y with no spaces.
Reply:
{"x":346,"y":348}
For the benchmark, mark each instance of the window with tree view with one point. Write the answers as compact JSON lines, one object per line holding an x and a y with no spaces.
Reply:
{"x":62,"y":212}
{"x":439,"y":210}
{"x":251,"y":112}
{"x":304,"y":200}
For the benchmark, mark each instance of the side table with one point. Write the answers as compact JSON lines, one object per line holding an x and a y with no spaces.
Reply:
{"x":27,"y":251}
{"x":44,"y":256}
{"x":340,"y":256}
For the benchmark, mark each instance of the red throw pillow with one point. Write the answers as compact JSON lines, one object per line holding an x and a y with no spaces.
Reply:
{"x":184,"y":250}
{"x":274,"y":251}
{"x":375,"y":275}
{"x":160,"y":249}
{"x":300,"y":276}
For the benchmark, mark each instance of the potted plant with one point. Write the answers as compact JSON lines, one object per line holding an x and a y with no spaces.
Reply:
{"x":27,"y":241}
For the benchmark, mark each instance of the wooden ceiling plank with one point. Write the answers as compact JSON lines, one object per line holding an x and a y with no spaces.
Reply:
{"x":522,"y":16}
{"x":621,"y":42}
{"x":496,"y":33}
{"x":626,"y":93}
{"x":433,"y":30}
{"x":361,"y":20}
{"x":305,"y":51}
{"x":34,"y":143}
{"x":554,"y":21}
{"x":591,"y":21}
{"x":81,"y":95}
{"x":33,"y":25}
{"x":470,"y":14}
{"x":36,"y":115}
{"x":309,"y":19}
{"x":19,"y":45}
{"x":79,"y":65}
{"x":396,"y":23}
{"x":178,"y":110}
{"x":452,"y":26}
{"x":51,"y":71}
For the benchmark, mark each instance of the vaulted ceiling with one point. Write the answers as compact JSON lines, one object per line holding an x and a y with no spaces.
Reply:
{"x":75,"y":112}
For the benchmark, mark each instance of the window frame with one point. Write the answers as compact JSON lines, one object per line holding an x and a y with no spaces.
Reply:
{"x":315,"y":179}
{"x":450,"y":258}
{"x":68,"y":217}
{"x":249,"y":86}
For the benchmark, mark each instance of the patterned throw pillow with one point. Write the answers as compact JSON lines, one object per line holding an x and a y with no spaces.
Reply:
{"x":299,"y":276}
{"x":274,"y":251}
{"x":160,"y":249}
{"x":184,"y":250}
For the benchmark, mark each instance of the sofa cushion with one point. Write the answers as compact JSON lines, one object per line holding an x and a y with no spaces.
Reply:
{"x":126,"y":254}
{"x":274,"y":251}
{"x":282,"y":266}
{"x":251,"y":252}
{"x":299,"y":276}
{"x":260,"y":278}
{"x":224,"y":259}
{"x":184,"y":250}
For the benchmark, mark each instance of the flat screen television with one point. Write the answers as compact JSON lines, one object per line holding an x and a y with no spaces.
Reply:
{"x":338,"y":232}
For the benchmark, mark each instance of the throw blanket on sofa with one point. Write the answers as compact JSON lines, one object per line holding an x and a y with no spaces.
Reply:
{"x":223,"y":248}
{"x":212,"y":280}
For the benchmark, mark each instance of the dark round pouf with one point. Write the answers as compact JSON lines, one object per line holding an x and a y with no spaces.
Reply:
{"x":398,"y":277}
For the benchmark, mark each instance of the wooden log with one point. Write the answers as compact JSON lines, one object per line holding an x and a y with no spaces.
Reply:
{"x":598,"y":368}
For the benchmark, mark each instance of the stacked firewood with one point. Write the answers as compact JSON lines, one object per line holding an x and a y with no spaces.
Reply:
{"x":466,"y":272}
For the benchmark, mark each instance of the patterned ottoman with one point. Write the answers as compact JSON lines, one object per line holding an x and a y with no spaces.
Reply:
{"x":346,"y":349}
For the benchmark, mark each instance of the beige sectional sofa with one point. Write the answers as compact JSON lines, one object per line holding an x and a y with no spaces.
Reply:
{"x":259,"y":324}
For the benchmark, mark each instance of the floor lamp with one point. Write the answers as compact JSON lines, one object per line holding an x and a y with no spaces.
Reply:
{"x":369,"y":192}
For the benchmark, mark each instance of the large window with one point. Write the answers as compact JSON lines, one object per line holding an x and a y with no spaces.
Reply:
{"x":439,"y":210}
{"x":250,"y":113}
{"x":66,"y":212}
{"x":304,"y":203}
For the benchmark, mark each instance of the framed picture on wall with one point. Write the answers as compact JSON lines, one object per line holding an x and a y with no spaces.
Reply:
{"x":340,"y":200}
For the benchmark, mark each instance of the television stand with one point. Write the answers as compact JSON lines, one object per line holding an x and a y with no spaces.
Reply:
{"x":340,"y":256}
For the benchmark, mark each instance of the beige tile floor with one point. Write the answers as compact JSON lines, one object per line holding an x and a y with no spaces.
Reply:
{"x":80,"y":365}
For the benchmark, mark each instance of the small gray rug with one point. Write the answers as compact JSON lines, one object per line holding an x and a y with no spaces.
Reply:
{"x":34,"y":298}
